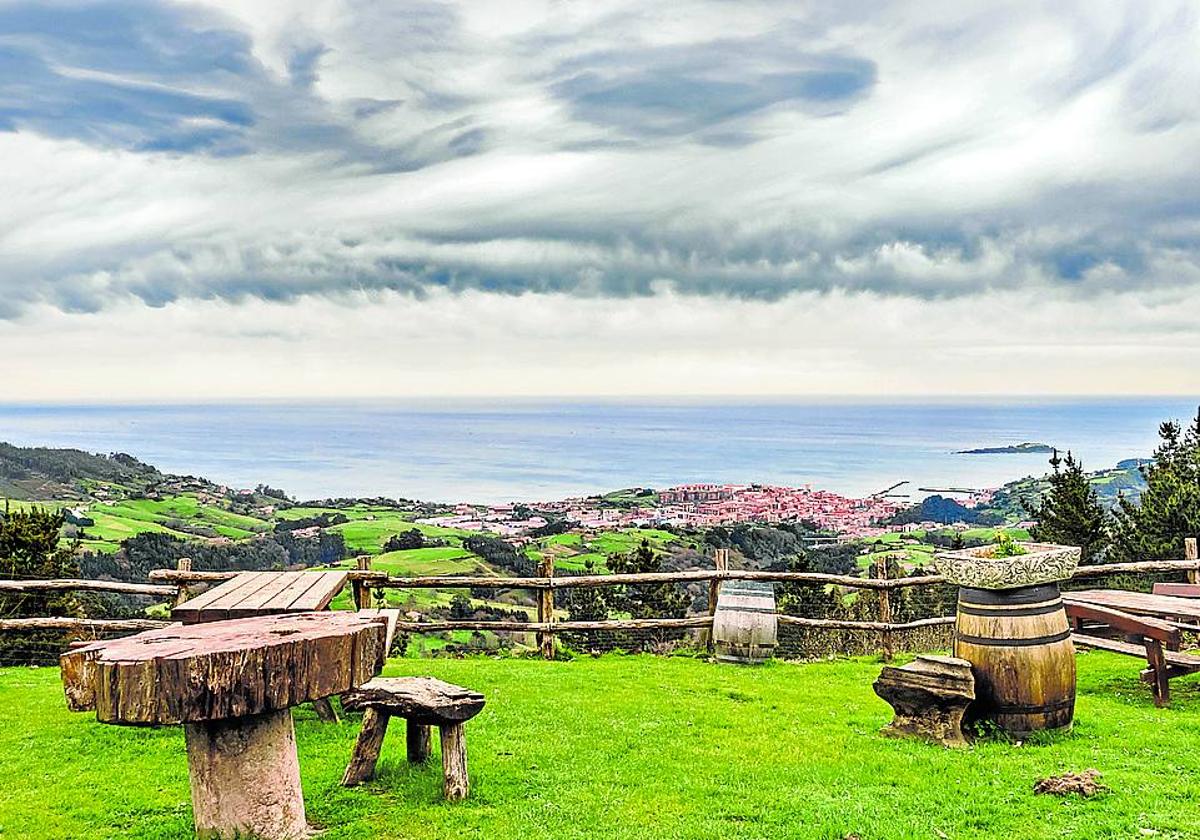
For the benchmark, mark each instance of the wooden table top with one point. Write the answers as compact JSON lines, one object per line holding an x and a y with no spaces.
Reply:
{"x":262,"y":593}
{"x":1140,"y":603}
{"x":224,"y":669}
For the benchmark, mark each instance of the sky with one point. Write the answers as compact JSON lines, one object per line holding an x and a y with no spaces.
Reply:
{"x":219,"y":200}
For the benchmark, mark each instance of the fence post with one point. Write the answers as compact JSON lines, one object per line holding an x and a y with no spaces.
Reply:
{"x":545,"y":638}
{"x":361,"y":588}
{"x":721,"y":563}
{"x":885,"y":609}
{"x":183,"y":564}
{"x":1190,"y":553}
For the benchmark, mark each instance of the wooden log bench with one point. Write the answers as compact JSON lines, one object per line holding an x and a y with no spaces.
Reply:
{"x":423,"y":702}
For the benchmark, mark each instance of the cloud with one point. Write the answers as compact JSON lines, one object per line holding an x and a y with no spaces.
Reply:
{"x":699,"y":89}
{"x":225,"y":153}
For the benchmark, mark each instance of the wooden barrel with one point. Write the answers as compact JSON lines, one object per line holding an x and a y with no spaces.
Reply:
{"x":1018,"y":642}
{"x":744,"y":625}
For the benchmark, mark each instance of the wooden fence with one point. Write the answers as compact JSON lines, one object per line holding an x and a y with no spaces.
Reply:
{"x":174,"y":584}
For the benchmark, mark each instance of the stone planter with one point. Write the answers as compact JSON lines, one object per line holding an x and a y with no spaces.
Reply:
{"x":1042,"y":563}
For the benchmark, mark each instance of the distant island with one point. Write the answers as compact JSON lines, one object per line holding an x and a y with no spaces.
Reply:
{"x":1019,"y":449}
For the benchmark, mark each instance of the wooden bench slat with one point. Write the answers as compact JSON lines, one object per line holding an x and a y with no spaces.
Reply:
{"x":252,"y":605}
{"x":1176,"y":658}
{"x":321,"y":594}
{"x":282,"y":602}
{"x":1178,"y":590}
{"x":219,"y":610}
{"x":190,"y":611}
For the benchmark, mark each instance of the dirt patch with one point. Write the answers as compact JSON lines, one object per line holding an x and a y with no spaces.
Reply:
{"x":1084,"y":784}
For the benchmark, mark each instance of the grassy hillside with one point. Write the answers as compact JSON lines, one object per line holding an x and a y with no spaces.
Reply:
{"x":642,"y":748}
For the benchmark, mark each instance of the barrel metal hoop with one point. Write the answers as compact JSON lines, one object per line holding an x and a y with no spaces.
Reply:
{"x":1031,"y":708}
{"x":1002,"y":612}
{"x":1035,"y":640}
{"x":1023,"y":595}
{"x":738,"y":608}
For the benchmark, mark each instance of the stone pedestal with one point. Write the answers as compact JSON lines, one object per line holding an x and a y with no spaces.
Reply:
{"x":929,"y":695}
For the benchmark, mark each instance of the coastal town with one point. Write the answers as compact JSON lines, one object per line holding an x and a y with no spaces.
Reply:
{"x":690,"y":505}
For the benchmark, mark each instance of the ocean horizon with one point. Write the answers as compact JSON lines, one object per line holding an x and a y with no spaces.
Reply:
{"x":529,"y":450}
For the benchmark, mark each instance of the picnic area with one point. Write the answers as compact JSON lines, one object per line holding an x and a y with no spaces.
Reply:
{"x":639,"y":747}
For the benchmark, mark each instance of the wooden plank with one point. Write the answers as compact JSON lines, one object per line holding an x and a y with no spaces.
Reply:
{"x":297,"y":586}
{"x":1110,"y":645}
{"x":189,"y":611}
{"x":220,"y":609}
{"x":253,"y":604}
{"x":1184,"y":662}
{"x":320,"y":595}
{"x":1178,"y":590}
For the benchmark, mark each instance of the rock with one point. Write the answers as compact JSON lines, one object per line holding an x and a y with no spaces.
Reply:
{"x":929,"y":695}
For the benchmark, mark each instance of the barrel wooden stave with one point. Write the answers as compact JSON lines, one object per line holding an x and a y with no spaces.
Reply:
{"x":1018,"y":642}
{"x":745,"y":628}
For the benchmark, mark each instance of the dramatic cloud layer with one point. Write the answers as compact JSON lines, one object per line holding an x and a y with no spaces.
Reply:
{"x":813,"y":184}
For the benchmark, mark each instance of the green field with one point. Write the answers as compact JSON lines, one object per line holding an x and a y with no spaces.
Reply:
{"x":644,"y":747}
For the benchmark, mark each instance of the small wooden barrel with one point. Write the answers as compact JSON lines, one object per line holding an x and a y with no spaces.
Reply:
{"x":744,"y":625}
{"x":1018,"y":642}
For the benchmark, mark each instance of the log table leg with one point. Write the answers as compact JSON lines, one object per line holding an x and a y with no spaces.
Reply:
{"x":245,"y":778}
{"x":366,"y":748}
{"x":419,"y":742}
{"x":455,"y":783}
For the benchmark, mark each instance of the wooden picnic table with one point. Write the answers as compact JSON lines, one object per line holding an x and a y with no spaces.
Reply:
{"x":1141,"y":624}
{"x":1168,"y":607}
{"x":252,"y":594}
{"x":232,"y":685}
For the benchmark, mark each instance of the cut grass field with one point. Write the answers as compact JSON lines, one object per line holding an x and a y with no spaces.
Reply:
{"x":644,"y":747}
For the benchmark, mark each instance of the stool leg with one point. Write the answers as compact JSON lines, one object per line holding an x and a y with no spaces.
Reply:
{"x":455,"y":783}
{"x":325,"y":711}
{"x":419,"y":739}
{"x":366,"y":748}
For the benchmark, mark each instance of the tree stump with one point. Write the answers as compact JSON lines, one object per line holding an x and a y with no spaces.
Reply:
{"x":245,"y":777}
{"x":930,"y":696}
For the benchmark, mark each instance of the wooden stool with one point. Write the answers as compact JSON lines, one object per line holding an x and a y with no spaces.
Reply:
{"x":930,"y":695}
{"x":423,"y":702}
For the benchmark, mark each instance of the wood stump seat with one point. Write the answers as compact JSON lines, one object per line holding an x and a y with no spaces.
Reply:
{"x":930,"y":695}
{"x":423,"y":702}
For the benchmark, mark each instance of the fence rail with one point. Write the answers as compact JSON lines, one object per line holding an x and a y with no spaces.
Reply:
{"x":173,"y":583}
{"x":384,"y":580}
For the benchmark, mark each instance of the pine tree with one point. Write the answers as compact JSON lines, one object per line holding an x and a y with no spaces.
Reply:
{"x":1071,"y":513}
{"x":1154,"y":527}
{"x":647,"y":600}
{"x":30,"y":548}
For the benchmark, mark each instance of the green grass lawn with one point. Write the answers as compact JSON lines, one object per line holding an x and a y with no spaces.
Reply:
{"x":644,"y":747}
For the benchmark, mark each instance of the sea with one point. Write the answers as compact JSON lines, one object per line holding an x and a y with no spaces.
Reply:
{"x":494,"y":451}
